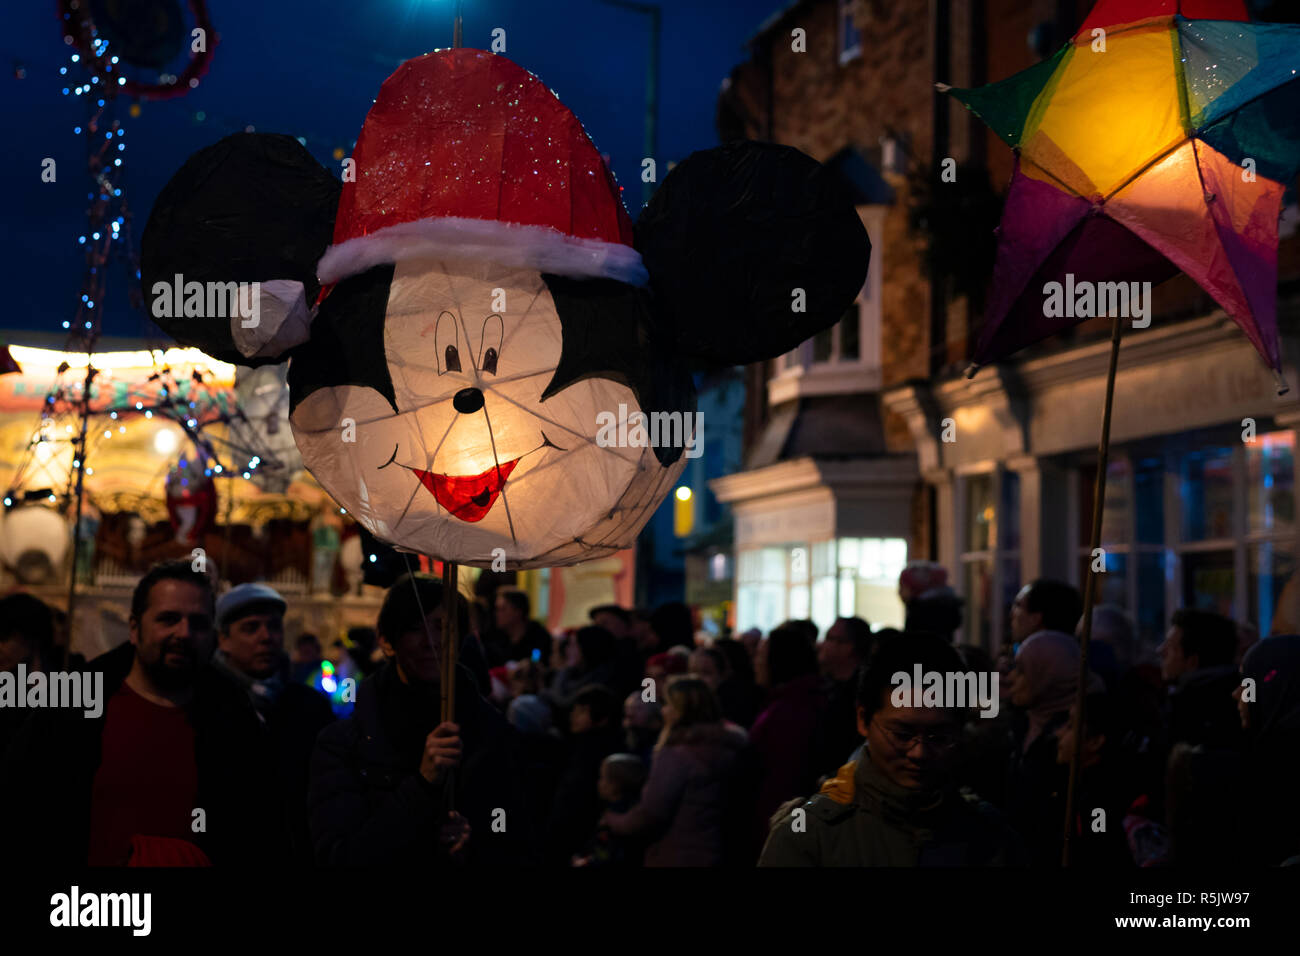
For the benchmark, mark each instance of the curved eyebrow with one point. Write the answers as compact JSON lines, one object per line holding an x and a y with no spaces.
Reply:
{"x":390,"y":460}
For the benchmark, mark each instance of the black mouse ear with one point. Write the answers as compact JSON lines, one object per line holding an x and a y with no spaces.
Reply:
{"x":751,"y":248}
{"x":228,"y":257}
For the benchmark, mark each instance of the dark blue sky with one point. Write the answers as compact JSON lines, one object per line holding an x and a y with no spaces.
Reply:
{"x":311,"y":70}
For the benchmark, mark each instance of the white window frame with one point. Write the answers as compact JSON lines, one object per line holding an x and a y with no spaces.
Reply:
{"x":996,"y":554}
{"x":796,"y":375}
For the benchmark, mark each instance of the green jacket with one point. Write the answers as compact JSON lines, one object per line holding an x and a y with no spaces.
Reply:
{"x":860,"y":818}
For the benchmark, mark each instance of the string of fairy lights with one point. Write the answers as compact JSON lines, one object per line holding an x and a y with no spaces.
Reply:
{"x":193,"y":403}
{"x":108,"y":217}
{"x":216,"y":438}
{"x":94,"y":72}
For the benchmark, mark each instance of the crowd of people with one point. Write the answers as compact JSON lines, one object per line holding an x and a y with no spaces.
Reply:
{"x":633,"y":741}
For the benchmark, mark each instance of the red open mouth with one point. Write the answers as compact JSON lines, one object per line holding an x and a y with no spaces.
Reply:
{"x":468,"y":497}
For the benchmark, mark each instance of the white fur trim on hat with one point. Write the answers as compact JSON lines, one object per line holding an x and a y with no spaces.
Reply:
{"x":543,"y":248}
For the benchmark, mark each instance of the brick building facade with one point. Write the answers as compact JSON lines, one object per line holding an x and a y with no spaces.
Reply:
{"x":846,"y":472}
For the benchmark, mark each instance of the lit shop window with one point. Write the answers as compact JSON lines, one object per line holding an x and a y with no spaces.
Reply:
{"x":990,"y":558}
{"x":820,"y":581}
{"x":867,"y":580}
{"x":1194,"y":523}
{"x":761,"y":588}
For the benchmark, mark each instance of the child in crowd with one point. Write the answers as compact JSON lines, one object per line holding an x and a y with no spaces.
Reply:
{"x":621,"y":778}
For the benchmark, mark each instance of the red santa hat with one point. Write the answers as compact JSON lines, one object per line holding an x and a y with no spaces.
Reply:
{"x":465,"y":154}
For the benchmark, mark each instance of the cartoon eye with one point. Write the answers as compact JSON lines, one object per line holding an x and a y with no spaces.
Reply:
{"x":491,"y":344}
{"x":445,"y":344}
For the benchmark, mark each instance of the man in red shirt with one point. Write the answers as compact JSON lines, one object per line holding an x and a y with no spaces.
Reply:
{"x":147,"y":782}
{"x":174,"y":772}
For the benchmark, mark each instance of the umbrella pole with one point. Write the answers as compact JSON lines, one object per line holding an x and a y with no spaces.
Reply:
{"x":449,"y":653}
{"x":1090,"y":593}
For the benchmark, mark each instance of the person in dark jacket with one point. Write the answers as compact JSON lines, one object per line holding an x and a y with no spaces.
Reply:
{"x":539,"y":755}
{"x":738,"y":692}
{"x":1105,"y":790}
{"x":1235,"y":805}
{"x":393,"y":784}
{"x":516,"y":637}
{"x":643,"y":723}
{"x":1043,"y":682}
{"x":897,"y":805}
{"x":1272,"y":725}
{"x":1197,"y":659}
{"x":595,"y":732}
{"x":27,"y":638}
{"x":627,"y":664}
{"x":672,"y":625}
{"x":622,"y":778}
{"x":683,"y":811}
{"x":841,"y":656}
{"x":785,"y":735}
{"x":594,"y":655}
{"x":173,"y":769}
{"x":250,"y":650}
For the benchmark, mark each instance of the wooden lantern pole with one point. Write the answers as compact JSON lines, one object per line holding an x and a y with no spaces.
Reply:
{"x":447,"y":657}
{"x":1090,"y":594}
{"x":450,"y":639}
{"x":450,"y":576}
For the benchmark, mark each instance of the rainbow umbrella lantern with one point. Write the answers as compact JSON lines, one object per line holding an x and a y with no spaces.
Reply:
{"x":1160,"y":139}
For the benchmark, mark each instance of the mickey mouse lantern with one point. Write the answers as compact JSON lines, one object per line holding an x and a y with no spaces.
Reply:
{"x":459,"y":314}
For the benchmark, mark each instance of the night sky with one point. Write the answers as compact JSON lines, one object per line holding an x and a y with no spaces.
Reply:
{"x":311,"y":70}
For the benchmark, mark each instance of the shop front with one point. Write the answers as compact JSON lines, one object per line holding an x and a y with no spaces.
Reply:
{"x":820,"y":539}
{"x":1200,"y":493}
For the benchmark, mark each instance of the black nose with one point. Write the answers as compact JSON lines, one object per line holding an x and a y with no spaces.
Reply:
{"x":467,"y":401}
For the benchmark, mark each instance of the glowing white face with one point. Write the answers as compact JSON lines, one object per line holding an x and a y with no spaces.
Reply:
{"x":474,"y":460}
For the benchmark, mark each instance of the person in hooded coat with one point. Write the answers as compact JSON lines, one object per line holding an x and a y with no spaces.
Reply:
{"x":684,"y":809}
{"x":1043,"y":682}
{"x":392,"y":784}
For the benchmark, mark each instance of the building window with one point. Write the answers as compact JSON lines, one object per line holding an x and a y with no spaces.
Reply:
{"x":868,"y":579}
{"x":847,"y":356}
{"x":1196,"y":523}
{"x":820,"y":581}
{"x":990,"y":554}
{"x":842,"y":343}
{"x":761,"y":586}
{"x":839,"y":343}
{"x":850,"y":38}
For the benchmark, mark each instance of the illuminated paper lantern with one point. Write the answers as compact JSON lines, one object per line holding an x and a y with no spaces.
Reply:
{"x":1160,"y":139}
{"x":473,"y":324}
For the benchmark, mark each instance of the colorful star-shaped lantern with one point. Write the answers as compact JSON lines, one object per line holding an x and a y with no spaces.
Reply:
{"x":1160,"y":139}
